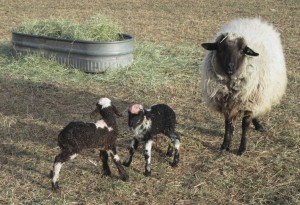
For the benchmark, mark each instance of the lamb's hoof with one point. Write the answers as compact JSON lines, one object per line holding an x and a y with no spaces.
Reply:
{"x":106,"y":172}
{"x":169,"y":153}
{"x":51,"y":174}
{"x":174,"y":164}
{"x":55,"y":187}
{"x":125,"y":178}
{"x":126,"y":164}
{"x":147,"y":173}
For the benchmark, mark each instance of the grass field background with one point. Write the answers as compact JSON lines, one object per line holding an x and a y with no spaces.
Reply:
{"x":38,"y":97}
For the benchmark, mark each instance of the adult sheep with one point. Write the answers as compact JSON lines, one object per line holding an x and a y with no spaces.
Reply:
{"x":243,"y":72}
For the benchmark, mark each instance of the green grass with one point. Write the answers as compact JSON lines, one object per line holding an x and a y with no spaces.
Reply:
{"x":97,"y":28}
{"x":154,"y":66}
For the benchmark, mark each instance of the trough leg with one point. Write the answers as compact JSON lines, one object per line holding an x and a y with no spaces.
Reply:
{"x":245,"y":125}
{"x":147,"y":155}
{"x":133,"y":146}
{"x":229,"y":128}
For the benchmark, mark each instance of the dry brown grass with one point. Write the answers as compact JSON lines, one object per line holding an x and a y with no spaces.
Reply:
{"x":32,"y":112}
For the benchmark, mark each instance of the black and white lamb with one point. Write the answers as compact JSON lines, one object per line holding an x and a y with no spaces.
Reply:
{"x":243,"y":72}
{"x":145,"y":124}
{"x":78,"y":136}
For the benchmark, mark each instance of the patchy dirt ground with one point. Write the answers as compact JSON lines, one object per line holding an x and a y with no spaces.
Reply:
{"x":32,"y":113}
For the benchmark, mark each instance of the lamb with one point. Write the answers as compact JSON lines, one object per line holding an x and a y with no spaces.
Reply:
{"x":79,"y":136}
{"x":243,"y":72}
{"x":145,"y":124}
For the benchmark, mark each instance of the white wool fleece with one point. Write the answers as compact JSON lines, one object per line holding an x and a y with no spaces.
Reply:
{"x":262,"y":79}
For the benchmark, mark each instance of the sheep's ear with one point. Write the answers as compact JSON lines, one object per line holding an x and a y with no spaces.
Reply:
{"x":210,"y":46}
{"x":248,"y":51}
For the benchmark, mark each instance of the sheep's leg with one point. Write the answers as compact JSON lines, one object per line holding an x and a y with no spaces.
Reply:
{"x":58,"y":162}
{"x":176,"y":143}
{"x":245,"y":125}
{"x":229,"y":128}
{"x":258,"y":125}
{"x":116,"y":159}
{"x":104,"y":159}
{"x":133,"y":146}
{"x":147,"y":155}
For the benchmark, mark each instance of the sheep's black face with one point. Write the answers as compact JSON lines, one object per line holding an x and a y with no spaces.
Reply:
{"x":134,"y":120}
{"x":230,"y":53}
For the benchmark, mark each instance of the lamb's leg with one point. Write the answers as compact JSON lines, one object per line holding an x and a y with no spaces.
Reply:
{"x":147,"y":155}
{"x":229,"y":128}
{"x":104,"y":159}
{"x":116,"y":159}
{"x":170,"y":150}
{"x":258,"y":125}
{"x":58,"y":162}
{"x":176,"y":143}
{"x":245,"y":125}
{"x":133,"y":146}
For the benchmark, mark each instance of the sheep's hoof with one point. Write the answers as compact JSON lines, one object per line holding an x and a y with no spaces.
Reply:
{"x":225,"y":146}
{"x":55,"y":187}
{"x":241,"y":151}
{"x":260,"y":128}
{"x":147,"y":173}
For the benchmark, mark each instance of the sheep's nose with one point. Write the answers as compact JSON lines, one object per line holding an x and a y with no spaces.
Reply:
{"x":230,"y":68}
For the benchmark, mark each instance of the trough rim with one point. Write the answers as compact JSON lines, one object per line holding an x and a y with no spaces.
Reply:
{"x":127,"y":38}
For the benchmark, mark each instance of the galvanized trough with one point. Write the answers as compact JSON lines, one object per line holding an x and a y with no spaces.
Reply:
{"x":89,"y":56}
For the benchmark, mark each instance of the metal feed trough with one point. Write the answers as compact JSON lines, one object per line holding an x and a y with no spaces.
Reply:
{"x":89,"y":56}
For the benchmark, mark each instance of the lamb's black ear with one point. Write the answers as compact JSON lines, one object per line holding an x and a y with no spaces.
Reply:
{"x":95,"y":113}
{"x":210,"y":46}
{"x":248,"y":51}
{"x":147,"y":113}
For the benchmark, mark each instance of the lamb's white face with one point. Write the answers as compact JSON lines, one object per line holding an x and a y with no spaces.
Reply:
{"x":104,"y":102}
{"x":135,"y":108}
